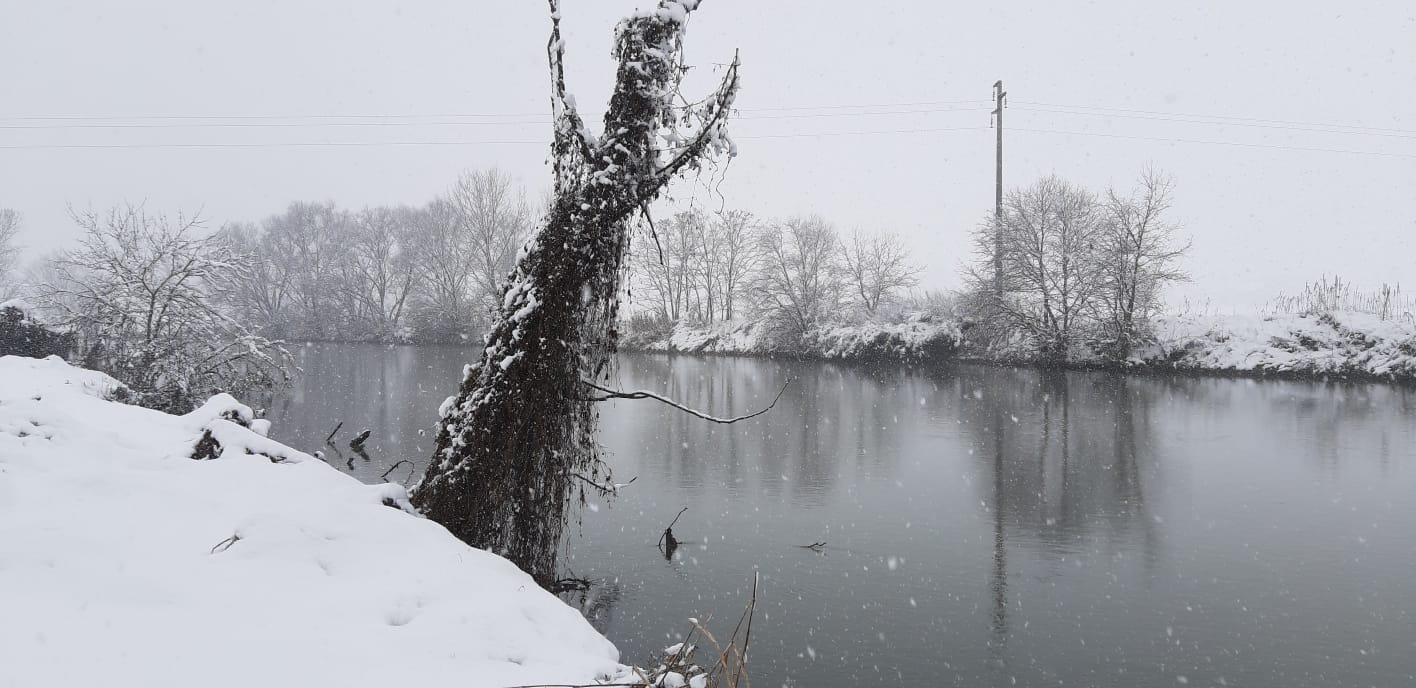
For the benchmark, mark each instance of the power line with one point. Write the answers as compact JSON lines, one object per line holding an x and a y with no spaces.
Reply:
{"x":291,"y":144}
{"x":1220,"y":117}
{"x":928,"y":107}
{"x":825,"y":134}
{"x":315,"y":144}
{"x":542,"y":122}
{"x":1355,"y":131}
{"x":931,"y":106}
{"x":1217,"y":143}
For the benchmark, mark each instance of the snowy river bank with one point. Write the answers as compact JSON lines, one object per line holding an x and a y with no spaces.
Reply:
{"x":124,"y":562}
{"x":1346,"y":345}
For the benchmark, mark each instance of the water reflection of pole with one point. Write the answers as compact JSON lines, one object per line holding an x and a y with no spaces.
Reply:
{"x":999,"y":582}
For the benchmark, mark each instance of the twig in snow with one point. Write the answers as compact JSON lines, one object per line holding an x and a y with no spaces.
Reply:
{"x":226,"y":544}
{"x":330,"y":438}
{"x":645,"y":394}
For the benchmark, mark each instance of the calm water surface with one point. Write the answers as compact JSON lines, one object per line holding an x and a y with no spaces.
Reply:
{"x":983,"y":527}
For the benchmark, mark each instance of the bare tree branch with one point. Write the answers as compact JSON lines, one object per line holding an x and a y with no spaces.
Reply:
{"x":644,"y":394}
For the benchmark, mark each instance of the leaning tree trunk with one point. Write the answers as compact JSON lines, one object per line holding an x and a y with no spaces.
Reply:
{"x":516,"y":445}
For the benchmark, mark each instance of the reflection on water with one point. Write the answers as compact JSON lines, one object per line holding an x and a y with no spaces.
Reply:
{"x":981,"y":525}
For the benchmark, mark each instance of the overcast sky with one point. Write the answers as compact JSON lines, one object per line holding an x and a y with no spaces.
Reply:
{"x":1229,"y":97}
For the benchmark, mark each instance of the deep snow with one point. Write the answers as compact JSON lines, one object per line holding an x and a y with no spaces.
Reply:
{"x":118,"y":565}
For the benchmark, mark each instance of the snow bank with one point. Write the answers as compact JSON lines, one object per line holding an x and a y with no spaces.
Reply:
{"x":123,"y":562}
{"x":1340,"y":343}
{"x":914,"y":341}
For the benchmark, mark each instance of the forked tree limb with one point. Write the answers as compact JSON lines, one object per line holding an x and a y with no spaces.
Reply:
{"x":645,"y":394}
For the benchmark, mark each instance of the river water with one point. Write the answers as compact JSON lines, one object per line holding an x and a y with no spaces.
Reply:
{"x":982,"y":526}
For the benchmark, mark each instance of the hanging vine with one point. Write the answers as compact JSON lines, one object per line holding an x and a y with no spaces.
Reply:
{"x":516,"y":445}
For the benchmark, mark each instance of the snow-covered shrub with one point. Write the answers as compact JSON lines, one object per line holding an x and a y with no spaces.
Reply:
{"x":22,"y":335}
{"x":140,"y":295}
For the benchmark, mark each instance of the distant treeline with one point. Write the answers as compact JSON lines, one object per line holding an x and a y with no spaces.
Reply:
{"x":430,"y":273}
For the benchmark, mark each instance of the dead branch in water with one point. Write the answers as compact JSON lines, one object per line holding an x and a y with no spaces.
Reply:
{"x":411,"y":468}
{"x":645,"y":394}
{"x":357,"y":443}
{"x":330,"y":438}
{"x":669,"y":534}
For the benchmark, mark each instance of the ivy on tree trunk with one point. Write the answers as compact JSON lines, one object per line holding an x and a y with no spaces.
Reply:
{"x":516,"y":445}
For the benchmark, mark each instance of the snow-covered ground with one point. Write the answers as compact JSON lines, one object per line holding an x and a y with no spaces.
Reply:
{"x":911,"y":341}
{"x":125,"y":563}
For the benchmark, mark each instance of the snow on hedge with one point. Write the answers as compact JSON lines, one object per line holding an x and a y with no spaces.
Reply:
{"x":911,"y":341}
{"x":1342,"y":343}
{"x":123,"y":562}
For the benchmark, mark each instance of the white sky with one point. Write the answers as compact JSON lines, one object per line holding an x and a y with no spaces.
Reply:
{"x":1263,"y":219}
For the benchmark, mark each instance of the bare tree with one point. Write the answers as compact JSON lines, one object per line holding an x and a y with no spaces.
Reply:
{"x":259,"y":296}
{"x":878,"y":267}
{"x":495,"y":220}
{"x":736,"y":255}
{"x":9,"y":250}
{"x":695,"y":266}
{"x":668,"y":266}
{"x":1052,"y":274}
{"x":309,"y":241}
{"x":517,"y":442}
{"x":1140,"y":250}
{"x":443,"y":260}
{"x":140,"y":294}
{"x":379,"y":274}
{"x":799,"y":282}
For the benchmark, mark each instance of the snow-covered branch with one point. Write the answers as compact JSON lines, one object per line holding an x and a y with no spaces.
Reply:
{"x":645,"y":394}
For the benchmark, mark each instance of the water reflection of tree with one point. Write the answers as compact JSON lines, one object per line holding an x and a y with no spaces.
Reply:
{"x":1069,"y":455}
{"x":830,"y":421}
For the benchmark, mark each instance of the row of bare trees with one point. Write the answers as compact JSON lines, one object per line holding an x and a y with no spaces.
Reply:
{"x":1063,"y":267}
{"x":798,"y":271}
{"x":431,"y":273}
{"x":9,"y":251}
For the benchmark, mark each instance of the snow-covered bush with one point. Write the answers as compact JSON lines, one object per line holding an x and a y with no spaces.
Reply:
{"x":1340,"y":344}
{"x":917,"y":340}
{"x":140,"y":297}
{"x":22,"y":335}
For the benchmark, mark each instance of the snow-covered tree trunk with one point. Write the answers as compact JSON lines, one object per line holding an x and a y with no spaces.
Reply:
{"x":516,"y":444}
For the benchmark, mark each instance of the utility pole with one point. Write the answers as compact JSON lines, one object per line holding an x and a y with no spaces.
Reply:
{"x":999,"y":100}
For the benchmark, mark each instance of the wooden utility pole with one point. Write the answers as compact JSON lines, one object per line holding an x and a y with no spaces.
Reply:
{"x":999,"y":96}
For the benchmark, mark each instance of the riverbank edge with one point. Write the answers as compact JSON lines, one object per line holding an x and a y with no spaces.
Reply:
{"x":1176,"y":358}
{"x":1137,"y":369}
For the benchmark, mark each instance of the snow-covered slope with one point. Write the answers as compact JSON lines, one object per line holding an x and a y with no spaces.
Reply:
{"x":125,"y":563}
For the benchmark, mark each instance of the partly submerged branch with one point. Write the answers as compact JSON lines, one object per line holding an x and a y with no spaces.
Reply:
{"x":645,"y":394}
